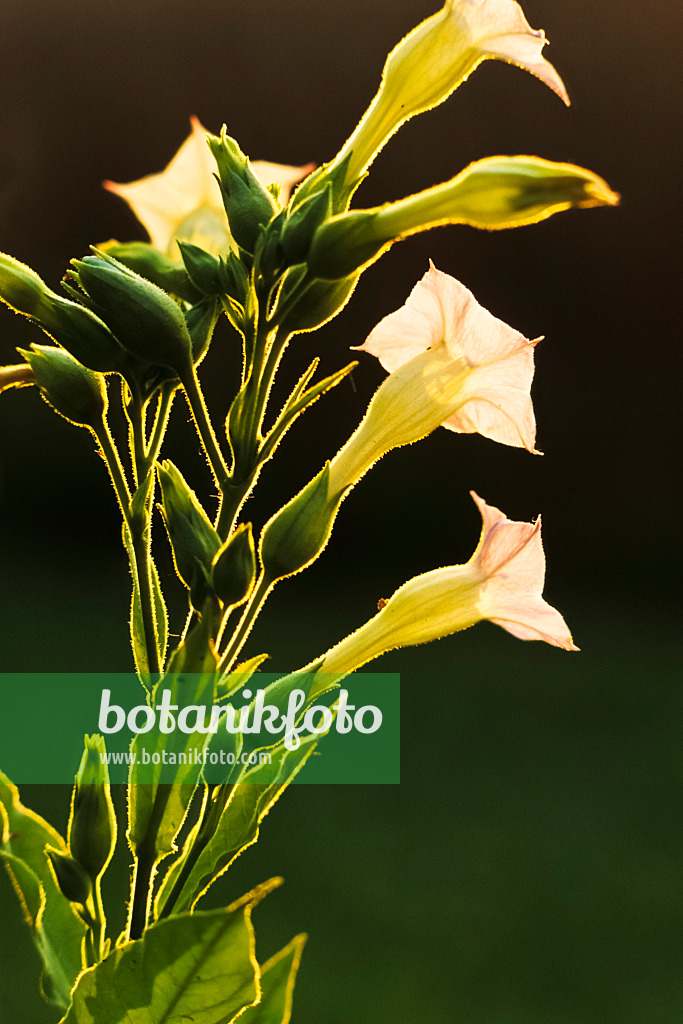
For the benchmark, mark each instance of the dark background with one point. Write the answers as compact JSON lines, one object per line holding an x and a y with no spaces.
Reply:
{"x":529,"y":867}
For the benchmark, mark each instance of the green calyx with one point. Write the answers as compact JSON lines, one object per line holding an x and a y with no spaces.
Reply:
{"x":248,"y":205}
{"x":92,"y":825}
{"x":193,"y":539}
{"x":147,"y":321}
{"x":68,"y":323}
{"x":234,"y":567}
{"x":297,"y":534}
{"x":73,"y":391}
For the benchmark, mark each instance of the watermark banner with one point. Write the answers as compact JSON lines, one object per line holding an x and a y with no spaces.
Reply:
{"x":303,"y":727}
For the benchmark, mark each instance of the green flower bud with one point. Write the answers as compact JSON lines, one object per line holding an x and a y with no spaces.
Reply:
{"x":234,"y":567}
{"x":495,"y":193}
{"x":303,"y":222}
{"x":269,"y":259}
{"x":248,"y":204}
{"x":193,"y":540}
{"x":233,"y":278}
{"x":316,"y":303}
{"x":201,"y":320}
{"x":71,"y":878}
{"x":202,"y":268}
{"x":148,"y":262}
{"x":92,"y":824}
{"x":147,"y":322}
{"x":344,"y":244}
{"x":76,"y":393}
{"x":296,"y":535}
{"x":77,"y":329}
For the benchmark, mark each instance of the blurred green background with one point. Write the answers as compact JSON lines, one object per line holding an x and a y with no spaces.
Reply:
{"x":529,"y":868}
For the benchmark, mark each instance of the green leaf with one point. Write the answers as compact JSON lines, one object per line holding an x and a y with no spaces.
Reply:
{"x":157,"y":808}
{"x":278,"y":977}
{"x":139,"y":508}
{"x":197,"y":968}
{"x":57,"y":931}
{"x":298,"y":402}
{"x":238,"y":827}
{"x":137,"y":629}
{"x":239,"y":677}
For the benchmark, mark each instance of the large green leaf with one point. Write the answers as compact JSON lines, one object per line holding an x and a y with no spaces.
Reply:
{"x":278,"y":977}
{"x":56,"y":930}
{"x":239,"y":824}
{"x":197,"y":968}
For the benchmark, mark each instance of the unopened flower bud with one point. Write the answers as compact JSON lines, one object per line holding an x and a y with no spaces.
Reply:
{"x":193,"y":540}
{"x":234,"y":567}
{"x":71,"y":325}
{"x":76,"y":393}
{"x":494,"y":193}
{"x":248,"y":204}
{"x":142,"y":258}
{"x":147,"y":321}
{"x":202,"y":268}
{"x":73,"y":881}
{"x":316,"y":303}
{"x":296,"y":535}
{"x":303,"y":222}
{"x":92,"y":824}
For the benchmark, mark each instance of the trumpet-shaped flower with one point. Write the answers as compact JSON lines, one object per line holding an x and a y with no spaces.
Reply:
{"x":502,"y":582}
{"x":435,"y":58}
{"x":450,"y":363}
{"x":184,"y":201}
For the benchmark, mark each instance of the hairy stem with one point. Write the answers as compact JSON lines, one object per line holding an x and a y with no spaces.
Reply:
{"x":249,"y":616}
{"x":195,"y":400}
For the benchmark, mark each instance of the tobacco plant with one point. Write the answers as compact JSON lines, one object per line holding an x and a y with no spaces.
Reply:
{"x":276,"y":251}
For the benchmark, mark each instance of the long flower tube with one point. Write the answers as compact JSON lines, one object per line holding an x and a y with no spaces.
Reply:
{"x":502,"y":582}
{"x":434,"y":59}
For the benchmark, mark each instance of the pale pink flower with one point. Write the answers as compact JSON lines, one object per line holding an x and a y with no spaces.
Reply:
{"x":435,"y":58}
{"x":450,"y":363}
{"x":502,"y":582}
{"x":184,"y":201}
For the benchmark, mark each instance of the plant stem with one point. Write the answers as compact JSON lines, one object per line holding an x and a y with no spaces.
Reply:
{"x":139,"y":524}
{"x":113,"y":463}
{"x":210,"y":817}
{"x":256,"y":602}
{"x":163,"y":412}
{"x":145,"y":865}
{"x":140,"y":534}
{"x":269,"y":347}
{"x":195,"y":400}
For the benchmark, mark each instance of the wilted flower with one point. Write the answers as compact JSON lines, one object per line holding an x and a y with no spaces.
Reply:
{"x":450,"y":363}
{"x":502,"y":582}
{"x":435,"y":58}
{"x":184,"y":201}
